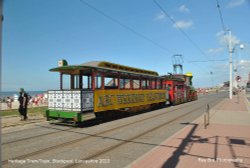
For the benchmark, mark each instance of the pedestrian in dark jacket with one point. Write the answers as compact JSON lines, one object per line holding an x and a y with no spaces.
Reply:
{"x":23,"y":104}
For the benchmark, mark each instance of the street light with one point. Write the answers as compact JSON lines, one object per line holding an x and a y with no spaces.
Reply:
{"x":230,"y":67}
{"x":236,"y":73}
{"x":231,"y":50}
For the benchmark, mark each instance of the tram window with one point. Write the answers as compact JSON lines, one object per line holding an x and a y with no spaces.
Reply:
{"x":76,"y":83}
{"x":151,"y":84}
{"x":66,"y":82}
{"x":86,"y":82}
{"x":111,"y":83}
{"x":155,"y":84}
{"x":124,"y":83}
{"x":98,"y":82}
{"x":136,"y":84}
{"x":169,"y":87}
{"x":121,"y":83}
{"x":179,"y":87}
{"x":145,"y":84}
{"x":127,"y":83}
{"x":159,"y":84}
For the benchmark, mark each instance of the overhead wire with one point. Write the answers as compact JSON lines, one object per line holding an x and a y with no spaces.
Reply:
{"x":125,"y":26}
{"x":221,"y":18}
{"x":209,"y":60}
{"x":138,"y":33}
{"x":178,"y":27}
{"x":183,"y":32}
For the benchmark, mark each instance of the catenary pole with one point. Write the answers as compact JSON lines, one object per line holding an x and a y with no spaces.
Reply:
{"x":230,"y":66}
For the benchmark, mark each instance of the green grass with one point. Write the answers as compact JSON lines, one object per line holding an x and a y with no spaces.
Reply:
{"x":32,"y":111}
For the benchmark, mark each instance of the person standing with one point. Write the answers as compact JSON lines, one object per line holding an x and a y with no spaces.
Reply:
{"x":23,"y":104}
{"x":9,"y":101}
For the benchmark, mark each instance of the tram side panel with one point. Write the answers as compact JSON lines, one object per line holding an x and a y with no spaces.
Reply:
{"x":82,"y":105}
{"x":106,"y":100}
{"x":76,"y":105}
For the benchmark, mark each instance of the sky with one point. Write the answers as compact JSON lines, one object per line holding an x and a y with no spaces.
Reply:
{"x":139,"y":33}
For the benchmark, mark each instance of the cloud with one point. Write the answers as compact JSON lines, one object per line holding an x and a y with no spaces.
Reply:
{"x":160,"y":16}
{"x":245,"y":63}
{"x":216,"y":50}
{"x":224,"y":38}
{"x":183,"y":9}
{"x":183,"y":24}
{"x":244,"y":69}
{"x":235,"y":3}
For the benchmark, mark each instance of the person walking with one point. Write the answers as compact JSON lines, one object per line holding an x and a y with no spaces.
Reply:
{"x":23,"y":103}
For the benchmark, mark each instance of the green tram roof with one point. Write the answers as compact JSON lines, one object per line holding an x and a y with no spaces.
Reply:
{"x":104,"y":66}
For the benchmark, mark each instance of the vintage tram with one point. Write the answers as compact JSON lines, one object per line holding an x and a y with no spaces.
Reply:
{"x":96,"y":89}
{"x":180,"y":88}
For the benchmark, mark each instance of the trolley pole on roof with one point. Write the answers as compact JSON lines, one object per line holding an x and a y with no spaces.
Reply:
{"x":230,"y":66}
{"x":177,"y":64}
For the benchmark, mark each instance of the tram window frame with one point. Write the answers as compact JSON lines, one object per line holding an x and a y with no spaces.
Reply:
{"x":98,"y":81}
{"x":66,"y":82}
{"x":169,"y":87}
{"x":121,"y":83}
{"x":150,"y":84}
{"x":145,"y":84}
{"x":154,"y":84}
{"x":86,"y":82}
{"x":179,"y":87}
{"x":127,"y":83}
{"x":158,"y":84}
{"x":114,"y":82}
{"x":138,"y":86}
{"x":76,"y":82}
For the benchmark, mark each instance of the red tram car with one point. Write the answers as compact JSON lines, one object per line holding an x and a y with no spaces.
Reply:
{"x":180,"y":88}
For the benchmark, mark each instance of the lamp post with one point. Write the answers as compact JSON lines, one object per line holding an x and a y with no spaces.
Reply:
{"x":236,"y":72}
{"x":230,"y":67}
{"x":231,"y":49}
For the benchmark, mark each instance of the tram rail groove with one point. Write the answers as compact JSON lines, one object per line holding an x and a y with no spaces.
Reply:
{"x":99,"y":135}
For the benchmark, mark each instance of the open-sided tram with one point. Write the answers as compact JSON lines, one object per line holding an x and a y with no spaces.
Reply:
{"x":97,"y":89}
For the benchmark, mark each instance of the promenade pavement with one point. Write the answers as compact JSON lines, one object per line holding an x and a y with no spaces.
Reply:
{"x":224,"y":143}
{"x":12,"y":121}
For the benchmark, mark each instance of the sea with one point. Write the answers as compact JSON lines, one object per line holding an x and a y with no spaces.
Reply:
{"x":12,"y":93}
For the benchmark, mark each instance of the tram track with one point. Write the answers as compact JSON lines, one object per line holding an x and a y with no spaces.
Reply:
{"x":37,"y":136}
{"x":125,"y":141}
{"x":68,"y":130}
{"x":51,"y":133}
{"x":100,"y":134}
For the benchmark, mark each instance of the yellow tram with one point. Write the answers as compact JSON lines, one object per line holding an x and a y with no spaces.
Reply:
{"x":103,"y":88}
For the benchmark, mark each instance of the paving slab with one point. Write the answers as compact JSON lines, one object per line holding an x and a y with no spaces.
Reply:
{"x":224,"y":143}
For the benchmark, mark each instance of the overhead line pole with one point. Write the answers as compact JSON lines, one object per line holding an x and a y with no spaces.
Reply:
{"x":230,"y":66}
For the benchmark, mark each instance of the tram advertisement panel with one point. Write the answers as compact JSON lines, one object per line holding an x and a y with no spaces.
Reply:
{"x":116,"y":99}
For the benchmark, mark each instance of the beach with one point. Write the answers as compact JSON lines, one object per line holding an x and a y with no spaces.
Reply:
{"x":38,"y":99}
